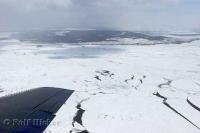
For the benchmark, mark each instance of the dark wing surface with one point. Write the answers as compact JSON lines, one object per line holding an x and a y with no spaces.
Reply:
{"x":31,"y":111}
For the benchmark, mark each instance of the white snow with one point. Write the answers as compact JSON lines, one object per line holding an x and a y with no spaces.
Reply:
{"x":112,"y":105}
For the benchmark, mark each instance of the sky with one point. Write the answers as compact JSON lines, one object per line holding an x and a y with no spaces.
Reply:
{"x":100,"y":14}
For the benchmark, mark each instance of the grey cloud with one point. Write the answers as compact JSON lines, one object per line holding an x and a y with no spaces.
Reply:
{"x":115,"y":14}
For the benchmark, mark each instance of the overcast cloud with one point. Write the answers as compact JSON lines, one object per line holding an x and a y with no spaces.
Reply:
{"x":112,"y":14}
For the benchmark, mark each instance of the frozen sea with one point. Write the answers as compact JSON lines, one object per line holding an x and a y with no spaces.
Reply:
{"x":124,"y":81}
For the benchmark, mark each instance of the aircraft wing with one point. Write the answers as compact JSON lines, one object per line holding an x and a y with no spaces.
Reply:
{"x":31,"y":111}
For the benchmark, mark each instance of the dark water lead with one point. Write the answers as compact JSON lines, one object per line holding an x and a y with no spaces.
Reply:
{"x":173,"y":109}
{"x":78,"y":116}
{"x":193,"y":105}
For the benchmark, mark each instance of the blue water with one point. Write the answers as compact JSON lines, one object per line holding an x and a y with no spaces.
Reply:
{"x":82,"y":52}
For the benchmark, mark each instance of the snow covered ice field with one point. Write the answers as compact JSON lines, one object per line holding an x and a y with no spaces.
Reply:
{"x":118,"y":88}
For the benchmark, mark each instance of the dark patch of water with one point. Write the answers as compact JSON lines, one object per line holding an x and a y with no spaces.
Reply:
{"x":80,"y":52}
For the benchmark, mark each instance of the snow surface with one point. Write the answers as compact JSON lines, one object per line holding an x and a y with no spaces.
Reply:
{"x":115,"y":88}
